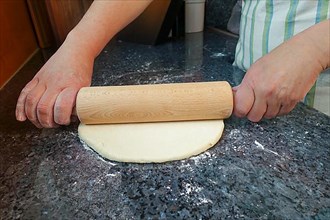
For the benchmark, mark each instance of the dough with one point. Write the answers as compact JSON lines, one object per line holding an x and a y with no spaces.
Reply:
{"x":152,"y":142}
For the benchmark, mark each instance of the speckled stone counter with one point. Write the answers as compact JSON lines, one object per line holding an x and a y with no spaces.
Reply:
{"x":218,"y":12}
{"x":275,"y":169}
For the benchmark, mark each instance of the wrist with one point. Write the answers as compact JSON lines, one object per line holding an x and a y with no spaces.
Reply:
{"x":81,"y":43}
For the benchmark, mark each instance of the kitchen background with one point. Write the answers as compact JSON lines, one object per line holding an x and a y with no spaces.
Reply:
{"x":27,"y":26}
{"x":274,"y":169}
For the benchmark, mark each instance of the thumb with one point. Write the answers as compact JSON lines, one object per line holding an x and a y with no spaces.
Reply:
{"x":243,"y":99}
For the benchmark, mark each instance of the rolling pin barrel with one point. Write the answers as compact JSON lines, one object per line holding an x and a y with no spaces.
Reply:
{"x":154,"y":103}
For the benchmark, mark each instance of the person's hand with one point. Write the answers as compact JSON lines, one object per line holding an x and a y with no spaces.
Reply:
{"x":48,"y":99}
{"x":275,"y":83}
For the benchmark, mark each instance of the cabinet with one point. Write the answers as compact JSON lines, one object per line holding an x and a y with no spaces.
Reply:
{"x":64,"y":15}
{"x":26,"y":25}
{"x":17,"y":38}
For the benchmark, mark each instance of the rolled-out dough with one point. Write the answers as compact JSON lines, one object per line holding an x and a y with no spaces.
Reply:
{"x":152,"y":142}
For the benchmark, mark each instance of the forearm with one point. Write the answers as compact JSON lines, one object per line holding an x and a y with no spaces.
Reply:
{"x":316,"y":41}
{"x":102,"y":21}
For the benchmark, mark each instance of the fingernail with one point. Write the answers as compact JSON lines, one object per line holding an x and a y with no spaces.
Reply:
{"x":21,"y":118}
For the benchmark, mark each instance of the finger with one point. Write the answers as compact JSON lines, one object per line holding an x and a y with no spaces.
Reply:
{"x":258,"y":109}
{"x":20,"y":106}
{"x":273,"y":108}
{"x":74,"y":111}
{"x":31,"y":103}
{"x":64,"y":104}
{"x":285,"y":109}
{"x":45,"y":109}
{"x":243,"y":100}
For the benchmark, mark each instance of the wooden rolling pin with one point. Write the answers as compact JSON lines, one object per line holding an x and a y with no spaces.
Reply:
{"x":152,"y":103}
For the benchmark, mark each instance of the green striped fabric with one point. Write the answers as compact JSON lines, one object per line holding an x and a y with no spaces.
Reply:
{"x":268,"y":19}
{"x":265,"y":24}
{"x":253,"y":23}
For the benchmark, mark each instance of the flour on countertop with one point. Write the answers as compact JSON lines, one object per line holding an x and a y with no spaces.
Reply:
{"x":216,"y":55}
{"x":201,"y":157}
{"x":261,"y":147}
{"x":190,"y":190}
{"x":97,"y":155}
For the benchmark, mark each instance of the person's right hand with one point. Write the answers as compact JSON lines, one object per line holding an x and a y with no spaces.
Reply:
{"x":49,"y":98}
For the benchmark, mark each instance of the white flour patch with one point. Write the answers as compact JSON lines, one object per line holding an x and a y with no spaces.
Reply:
{"x":98,"y":156}
{"x":146,"y":65}
{"x":203,"y":200}
{"x":261,"y":147}
{"x":112,"y":174}
{"x":216,"y":55}
{"x":186,"y":167}
{"x":146,"y":69}
{"x":234,"y":132}
{"x":189,"y":189}
{"x":202,"y":157}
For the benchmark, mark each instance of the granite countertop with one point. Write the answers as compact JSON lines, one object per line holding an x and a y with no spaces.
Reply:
{"x":275,"y":169}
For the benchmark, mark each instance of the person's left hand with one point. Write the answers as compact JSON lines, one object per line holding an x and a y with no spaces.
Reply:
{"x":275,"y":83}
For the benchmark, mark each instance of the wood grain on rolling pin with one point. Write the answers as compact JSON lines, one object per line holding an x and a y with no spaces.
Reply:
{"x":151,"y":103}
